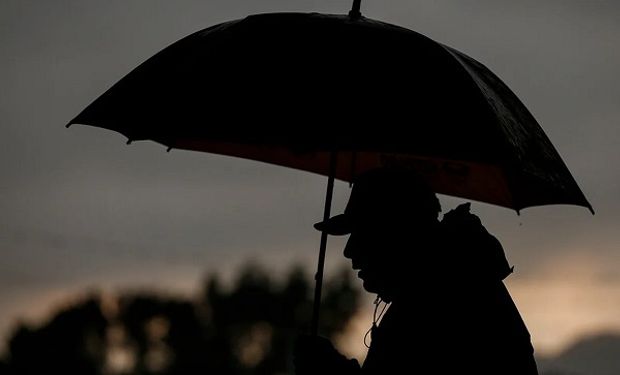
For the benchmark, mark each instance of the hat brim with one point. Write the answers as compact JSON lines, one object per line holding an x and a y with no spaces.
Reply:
{"x":338,"y":225}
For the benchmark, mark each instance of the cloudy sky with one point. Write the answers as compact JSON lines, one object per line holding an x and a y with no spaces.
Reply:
{"x":80,"y":209}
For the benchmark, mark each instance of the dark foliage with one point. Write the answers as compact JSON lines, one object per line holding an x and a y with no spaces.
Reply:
{"x":248,"y":328}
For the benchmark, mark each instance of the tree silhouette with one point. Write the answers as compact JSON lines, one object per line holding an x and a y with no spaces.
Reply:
{"x":248,"y":328}
{"x":73,"y":341}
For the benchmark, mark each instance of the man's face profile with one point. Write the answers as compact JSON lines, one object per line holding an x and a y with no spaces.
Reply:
{"x":373,"y":253}
{"x":390,"y":217}
{"x":384,"y":252}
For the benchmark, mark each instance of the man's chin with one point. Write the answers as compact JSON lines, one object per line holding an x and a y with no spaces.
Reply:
{"x":373,"y":288}
{"x":370,"y":286}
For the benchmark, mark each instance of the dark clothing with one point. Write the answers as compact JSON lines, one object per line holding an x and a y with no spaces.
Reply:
{"x":481,"y":333}
{"x":450,"y":312}
{"x":456,"y":317}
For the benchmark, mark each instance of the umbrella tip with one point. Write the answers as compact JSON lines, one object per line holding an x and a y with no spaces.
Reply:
{"x":355,"y":13}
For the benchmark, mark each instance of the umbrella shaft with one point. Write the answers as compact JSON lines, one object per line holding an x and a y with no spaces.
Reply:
{"x":319,"y":273}
{"x":355,"y":9}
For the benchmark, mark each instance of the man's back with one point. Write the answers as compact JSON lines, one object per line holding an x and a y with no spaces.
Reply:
{"x":455,"y":314}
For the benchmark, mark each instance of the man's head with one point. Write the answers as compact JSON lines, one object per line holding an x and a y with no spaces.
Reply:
{"x":390,"y":215}
{"x":384,"y":194}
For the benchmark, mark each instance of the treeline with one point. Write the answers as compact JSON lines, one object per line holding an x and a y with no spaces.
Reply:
{"x":248,"y":328}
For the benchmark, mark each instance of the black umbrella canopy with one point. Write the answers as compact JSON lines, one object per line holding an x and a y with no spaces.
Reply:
{"x":292,"y":88}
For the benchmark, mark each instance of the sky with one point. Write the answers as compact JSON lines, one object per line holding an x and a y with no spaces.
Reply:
{"x":82,"y":210}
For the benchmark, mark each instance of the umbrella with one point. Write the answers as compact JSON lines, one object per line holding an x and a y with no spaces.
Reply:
{"x":338,"y":95}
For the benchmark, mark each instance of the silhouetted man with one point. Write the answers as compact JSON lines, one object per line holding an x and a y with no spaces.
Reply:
{"x":449,"y":311}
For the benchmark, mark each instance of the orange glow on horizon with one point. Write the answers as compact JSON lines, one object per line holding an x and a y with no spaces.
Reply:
{"x":569,"y":300}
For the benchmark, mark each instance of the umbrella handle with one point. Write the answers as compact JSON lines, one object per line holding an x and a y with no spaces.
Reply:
{"x":322,"y":250}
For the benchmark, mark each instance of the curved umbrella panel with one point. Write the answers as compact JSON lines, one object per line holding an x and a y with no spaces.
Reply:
{"x":534,"y":158}
{"x":318,"y":85}
{"x":290,"y":88}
